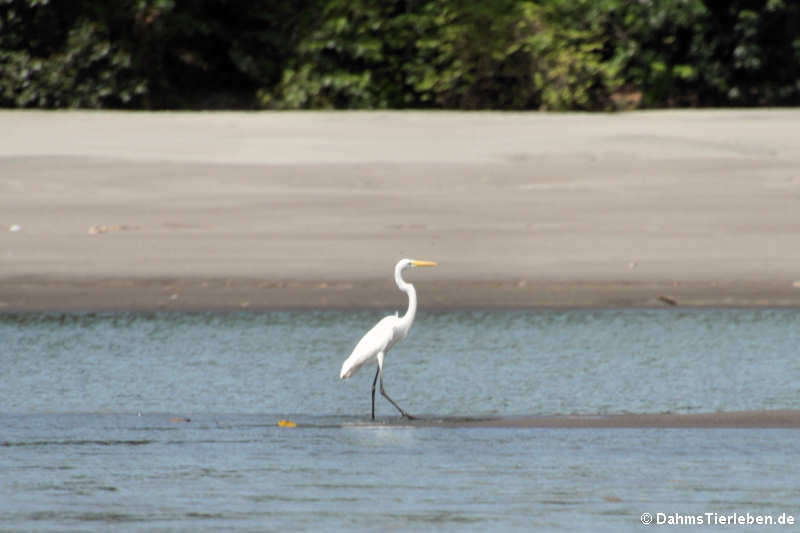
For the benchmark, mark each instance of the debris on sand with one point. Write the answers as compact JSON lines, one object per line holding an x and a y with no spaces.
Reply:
{"x":667,"y":300}
{"x":102,"y":228}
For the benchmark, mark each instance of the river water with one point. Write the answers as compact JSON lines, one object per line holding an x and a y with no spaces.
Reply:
{"x":168,"y":421}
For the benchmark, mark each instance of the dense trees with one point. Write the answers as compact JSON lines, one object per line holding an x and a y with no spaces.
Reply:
{"x":494,"y":54}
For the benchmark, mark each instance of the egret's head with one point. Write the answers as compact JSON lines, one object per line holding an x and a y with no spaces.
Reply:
{"x":405,"y":263}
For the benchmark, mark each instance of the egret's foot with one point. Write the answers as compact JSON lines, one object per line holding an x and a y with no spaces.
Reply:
{"x":406,"y":415}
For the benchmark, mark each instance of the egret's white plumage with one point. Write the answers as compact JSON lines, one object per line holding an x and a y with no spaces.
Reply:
{"x":379,"y":339}
{"x":385,"y":334}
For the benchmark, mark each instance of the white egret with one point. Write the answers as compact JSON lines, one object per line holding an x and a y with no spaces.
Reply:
{"x":385,"y":334}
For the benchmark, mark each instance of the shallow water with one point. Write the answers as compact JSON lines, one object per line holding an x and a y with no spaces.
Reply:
{"x":92,"y":433}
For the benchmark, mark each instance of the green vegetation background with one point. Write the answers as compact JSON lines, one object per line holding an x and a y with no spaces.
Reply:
{"x":388,"y":54}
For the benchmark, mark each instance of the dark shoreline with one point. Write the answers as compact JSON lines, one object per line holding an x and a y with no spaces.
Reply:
{"x":228,"y":294}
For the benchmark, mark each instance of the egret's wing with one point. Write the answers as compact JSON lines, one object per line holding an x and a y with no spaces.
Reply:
{"x":375,"y":341}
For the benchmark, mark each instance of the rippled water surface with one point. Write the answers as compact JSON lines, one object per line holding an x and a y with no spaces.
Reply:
{"x":167,"y":422}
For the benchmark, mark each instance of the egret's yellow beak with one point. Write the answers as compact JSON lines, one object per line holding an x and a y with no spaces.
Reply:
{"x":423,"y":263}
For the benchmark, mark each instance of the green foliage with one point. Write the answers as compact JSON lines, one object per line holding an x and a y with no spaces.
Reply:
{"x":494,"y":54}
{"x":706,"y":52}
{"x":214,"y":53}
{"x":142,"y":53}
{"x":755,"y":52}
{"x":87,"y":71}
{"x":503,"y":54}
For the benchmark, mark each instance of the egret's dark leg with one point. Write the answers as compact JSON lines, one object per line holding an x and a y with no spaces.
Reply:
{"x":383,"y":392}
{"x":374,"y":381}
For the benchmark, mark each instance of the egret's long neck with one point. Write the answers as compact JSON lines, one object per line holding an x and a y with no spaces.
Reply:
{"x":407,"y":288}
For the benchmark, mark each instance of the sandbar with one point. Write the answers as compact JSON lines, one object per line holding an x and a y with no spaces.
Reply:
{"x":265,"y":210}
{"x":786,"y":418}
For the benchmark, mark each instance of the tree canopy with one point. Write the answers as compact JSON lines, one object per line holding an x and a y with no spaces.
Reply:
{"x":397,"y":54}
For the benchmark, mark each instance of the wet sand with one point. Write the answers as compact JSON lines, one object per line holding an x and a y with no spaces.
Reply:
{"x":301,"y":210}
{"x":736,"y":419}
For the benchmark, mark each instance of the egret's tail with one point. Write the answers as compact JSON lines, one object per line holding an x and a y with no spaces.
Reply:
{"x":347,"y":371}
{"x":350,"y":366}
